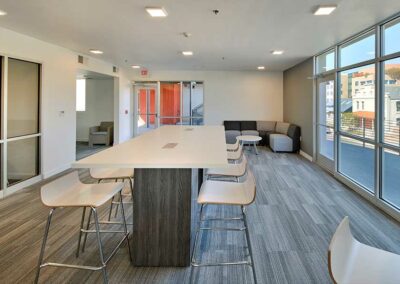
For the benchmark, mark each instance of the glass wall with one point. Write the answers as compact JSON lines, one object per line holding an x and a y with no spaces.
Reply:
{"x":367,"y":100}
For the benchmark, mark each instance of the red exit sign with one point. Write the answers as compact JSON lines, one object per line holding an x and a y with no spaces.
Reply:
{"x":144,"y":72}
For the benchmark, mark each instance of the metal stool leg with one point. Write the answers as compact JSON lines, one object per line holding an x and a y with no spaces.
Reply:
{"x":117,"y":205}
{"x":86,"y":234}
{"x":96,"y":222}
{"x":249,"y":243}
{"x":80,"y":231}
{"x":125,"y":226}
{"x":111,"y":208}
{"x":46,"y":233}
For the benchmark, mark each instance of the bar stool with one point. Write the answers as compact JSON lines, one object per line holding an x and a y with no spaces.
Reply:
{"x":108,"y":174}
{"x":227,"y":193}
{"x":234,"y":156}
{"x":68,"y":191}
{"x":233,"y":147}
{"x":231,"y":171}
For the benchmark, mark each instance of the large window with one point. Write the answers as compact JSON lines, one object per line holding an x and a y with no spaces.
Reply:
{"x":367,"y":104}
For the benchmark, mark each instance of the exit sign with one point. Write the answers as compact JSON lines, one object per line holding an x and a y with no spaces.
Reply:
{"x":144,"y":73}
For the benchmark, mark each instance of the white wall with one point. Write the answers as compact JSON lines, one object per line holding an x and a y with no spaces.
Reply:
{"x":232,"y":95}
{"x":58,"y":115}
{"x":99,"y":106}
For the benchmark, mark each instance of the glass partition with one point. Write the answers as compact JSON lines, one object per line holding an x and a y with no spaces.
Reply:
{"x":391,"y":34}
{"x":325,"y":62}
{"x":358,"y":50}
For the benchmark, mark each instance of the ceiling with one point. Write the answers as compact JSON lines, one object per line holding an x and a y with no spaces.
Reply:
{"x":240,"y":37}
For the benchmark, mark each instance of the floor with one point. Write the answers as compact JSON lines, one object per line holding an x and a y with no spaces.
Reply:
{"x":83,"y":150}
{"x":297,"y":209}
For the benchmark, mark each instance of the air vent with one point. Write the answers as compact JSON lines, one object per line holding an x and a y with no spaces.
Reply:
{"x":115,"y":69}
{"x":80,"y":59}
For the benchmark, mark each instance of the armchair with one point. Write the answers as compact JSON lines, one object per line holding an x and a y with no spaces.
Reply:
{"x":102,"y":134}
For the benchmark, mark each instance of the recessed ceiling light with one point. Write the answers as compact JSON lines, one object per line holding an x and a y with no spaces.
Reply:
{"x":261,"y":67}
{"x":324,"y":10}
{"x":187,"y":53}
{"x":135,"y":66}
{"x":3,"y":13}
{"x":277,"y":52}
{"x":156,"y":12}
{"x":96,"y":51}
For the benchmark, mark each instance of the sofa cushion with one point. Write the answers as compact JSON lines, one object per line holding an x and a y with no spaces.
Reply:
{"x":266,"y":125}
{"x":230,"y":136}
{"x":250,"y":132}
{"x":232,"y":125}
{"x":280,"y":143}
{"x":248,"y":125}
{"x":282,"y":127}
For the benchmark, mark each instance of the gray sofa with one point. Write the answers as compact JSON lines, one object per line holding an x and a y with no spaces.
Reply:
{"x":279,"y":136}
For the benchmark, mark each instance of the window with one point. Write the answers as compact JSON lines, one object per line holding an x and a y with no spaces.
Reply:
{"x":80,"y":95}
{"x":391,"y":43}
{"x":390,"y":173}
{"x":358,"y":50}
{"x":326,"y":62}
{"x":352,"y":120}
{"x":357,"y":161}
{"x":392,"y":102}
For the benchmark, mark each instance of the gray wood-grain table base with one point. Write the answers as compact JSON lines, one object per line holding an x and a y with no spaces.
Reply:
{"x":164,"y":216}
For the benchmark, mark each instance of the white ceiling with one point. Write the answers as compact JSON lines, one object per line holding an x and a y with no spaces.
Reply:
{"x":243,"y":33}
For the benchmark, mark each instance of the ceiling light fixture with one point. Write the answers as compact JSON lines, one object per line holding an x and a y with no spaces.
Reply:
{"x":3,"y":13}
{"x":156,"y":12}
{"x":96,"y":51}
{"x":135,"y":66}
{"x":187,"y":53}
{"x":277,"y":52}
{"x":261,"y":67}
{"x":324,"y":10}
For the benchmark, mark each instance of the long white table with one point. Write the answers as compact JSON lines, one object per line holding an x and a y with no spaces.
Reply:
{"x":168,"y":163}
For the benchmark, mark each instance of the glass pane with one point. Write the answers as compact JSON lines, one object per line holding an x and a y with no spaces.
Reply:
{"x":357,"y":101}
{"x":358,"y":50}
{"x":392,"y":102}
{"x":326,"y":62}
{"x":325,"y":141}
{"x":326,"y":89}
{"x":392,"y":37}
{"x":357,"y":160}
{"x":23,"y":98}
{"x":390,"y":173}
{"x":170,"y":103}
{"x":142,"y":107}
{"x":80,"y":94}
{"x":22,"y":160}
{"x":186,"y":97}
{"x":197,"y":99}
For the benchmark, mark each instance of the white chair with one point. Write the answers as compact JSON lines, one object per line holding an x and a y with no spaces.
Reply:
{"x":233,"y":147}
{"x":108,"y":174}
{"x":227,"y":193}
{"x":231,"y":171}
{"x":352,"y":262}
{"x":68,"y":191}
{"x":235,"y":156}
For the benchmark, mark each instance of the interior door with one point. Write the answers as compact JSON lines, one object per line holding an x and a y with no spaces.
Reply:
{"x":325,"y":121}
{"x":146,"y":107}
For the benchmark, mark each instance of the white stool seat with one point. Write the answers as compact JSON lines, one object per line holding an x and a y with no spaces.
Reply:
{"x":353,"y":262}
{"x":232,"y":147}
{"x":235,"y":155}
{"x":108,"y":173}
{"x":229,"y":193}
{"x":68,"y":191}
{"x":232,"y":170}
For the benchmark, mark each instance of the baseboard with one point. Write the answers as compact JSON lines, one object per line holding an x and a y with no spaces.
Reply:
{"x":305,"y":155}
{"x":82,"y":140}
{"x":56,"y":171}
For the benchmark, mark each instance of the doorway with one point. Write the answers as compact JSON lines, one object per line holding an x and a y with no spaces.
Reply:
{"x":146,"y":95}
{"x":325,"y":121}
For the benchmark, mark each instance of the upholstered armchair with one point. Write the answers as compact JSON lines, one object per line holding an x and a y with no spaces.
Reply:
{"x":102,"y":134}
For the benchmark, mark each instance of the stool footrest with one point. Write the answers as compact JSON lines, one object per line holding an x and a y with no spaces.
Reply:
{"x":102,"y":231}
{"x":85,"y":267}
{"x":243,"y":262}
{"x":222,"y":229}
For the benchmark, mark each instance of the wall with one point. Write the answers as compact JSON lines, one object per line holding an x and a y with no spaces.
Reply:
{"x":99,"y":106}
{"x":232,"y":95}
{"x":58,"y":115}
{"x":298,"y":101}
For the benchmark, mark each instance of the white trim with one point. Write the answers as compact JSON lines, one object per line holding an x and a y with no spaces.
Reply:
{"x":305,"y":155}
{"x":56,"y":170}
{"x":23,"y":184}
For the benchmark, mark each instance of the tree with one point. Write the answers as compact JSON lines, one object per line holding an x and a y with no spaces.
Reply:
{"x":393,"y":73}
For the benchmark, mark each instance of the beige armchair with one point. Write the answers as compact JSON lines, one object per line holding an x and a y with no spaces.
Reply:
{"x":102,"y":134}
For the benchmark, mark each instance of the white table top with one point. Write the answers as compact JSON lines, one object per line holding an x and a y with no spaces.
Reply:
{"x":249,"y":138}
{"x":196,"y":147}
